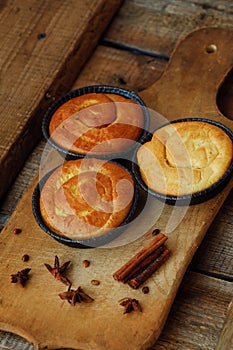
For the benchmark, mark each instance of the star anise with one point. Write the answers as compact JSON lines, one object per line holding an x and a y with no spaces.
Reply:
{"x":130,"y":304}
{"x":21,"y":277}
{"x":76,"y":296}
{"x":58,"y":271}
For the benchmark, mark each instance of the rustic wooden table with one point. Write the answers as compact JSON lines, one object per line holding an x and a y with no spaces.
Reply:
{"x":130,"y":50}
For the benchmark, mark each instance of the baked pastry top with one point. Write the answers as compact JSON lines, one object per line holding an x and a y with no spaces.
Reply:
{"x":86,"y":198}
{"x":97,"y":123}
{"x":185,"y":157}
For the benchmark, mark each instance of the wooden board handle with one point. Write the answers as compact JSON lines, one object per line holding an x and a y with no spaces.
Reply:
{"x":198,"y":66}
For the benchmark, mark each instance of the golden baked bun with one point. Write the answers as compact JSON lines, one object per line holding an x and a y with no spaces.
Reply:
{"x":185,"y":157}
{"x":86,"y":198}
{"x":97,"y":123}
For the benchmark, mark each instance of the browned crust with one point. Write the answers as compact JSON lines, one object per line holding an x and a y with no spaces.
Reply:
{"x":86,"y":198}
{"x":185,"y":157}
{"x":97,"y":123}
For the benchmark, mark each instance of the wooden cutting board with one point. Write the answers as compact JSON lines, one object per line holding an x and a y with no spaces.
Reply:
{"x":43,"y":48}
{"x":188,"y":88}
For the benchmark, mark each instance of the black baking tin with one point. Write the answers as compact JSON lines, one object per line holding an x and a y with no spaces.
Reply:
{"x":90,"y":242}
{"x":189,"y":199}
{"x":68,"y":155}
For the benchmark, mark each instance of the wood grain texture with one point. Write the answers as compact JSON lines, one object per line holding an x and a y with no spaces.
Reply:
{"x":191,"y":316}
{"x":21,"y":183}
{"x":163,"y":286}
{"x":165,"y":22}
{"x":43,"y":47}
{"x":225,"y":340}
{"x":110,"y":66}
{"x":190,"y":90}
{"x":214,"y":256}
{"x":190,"y":320}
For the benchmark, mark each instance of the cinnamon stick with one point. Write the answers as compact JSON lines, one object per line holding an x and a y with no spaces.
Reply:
{"x":138,"y":280}
{"x":145,"y":263}
{"x":136,"y":260}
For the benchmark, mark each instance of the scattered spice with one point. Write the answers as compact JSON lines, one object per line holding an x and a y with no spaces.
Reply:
{"x":142,"y":265}
{"x":25,"y":257}
{"x":86,"y":263}
{"x":155,"y":232}
{"x":76,"y":296}
{"x":21,"y":277}
{"x":58,"y":271}
{"x":17,"y":230}
{"x":95,"y":282}
{"x":130,"y":304}
{"x":145,"y":290}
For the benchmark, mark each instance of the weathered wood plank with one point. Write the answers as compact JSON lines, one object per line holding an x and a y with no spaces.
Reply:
{"x":192,"y":323}
{"x":109,"y":66}
{"x":43,"y":47}
{"x":156,"y":26}
{"x":225,"y":341}
{"x":214,"y":256}
{"x":13,"y":341}
{"x":21,"y":183}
